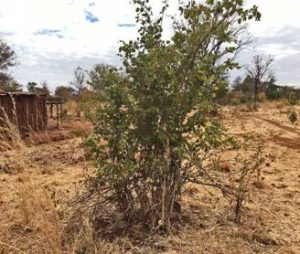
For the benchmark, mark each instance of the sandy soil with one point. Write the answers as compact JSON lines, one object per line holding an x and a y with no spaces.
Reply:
{"x":270,"y":224}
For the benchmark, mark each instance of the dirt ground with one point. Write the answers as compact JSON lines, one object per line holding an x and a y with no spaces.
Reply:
{"x":68,"y":127}
{"x":37,"y":181}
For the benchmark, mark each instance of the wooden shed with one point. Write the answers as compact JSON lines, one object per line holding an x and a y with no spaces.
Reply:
{"x":28,"y":111}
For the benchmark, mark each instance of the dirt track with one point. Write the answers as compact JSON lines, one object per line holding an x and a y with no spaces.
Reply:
{"x":279,"y":199}
{"x":293,"y":143}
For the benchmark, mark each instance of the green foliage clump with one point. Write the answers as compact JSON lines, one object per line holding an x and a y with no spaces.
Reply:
{"x":153,"y":128}
{"x":7,"y":60}
{"x":99,"y":76}
{"x":292,"y":98}
{"x":235,"y":101}
{"x":293,"y":117}
{"x":9,"y":84}
{"x":65,"y":92}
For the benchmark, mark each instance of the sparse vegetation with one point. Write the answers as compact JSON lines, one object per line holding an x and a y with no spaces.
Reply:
{"x":159,"y":155}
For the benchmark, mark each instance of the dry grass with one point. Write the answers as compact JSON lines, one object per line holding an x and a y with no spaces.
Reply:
{"x":39,"y":181}
{"x":33,"y":202}
{"x":36,"y":213}
{"x":73,"y":108}
{"x":10,"y":139}
{"x":35,"y":224}
{"x":28,"y":220}
{"x":9,"y":134}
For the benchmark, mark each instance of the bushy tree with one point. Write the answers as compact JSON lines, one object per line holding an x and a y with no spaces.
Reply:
{"x":7,"y":60}
{"x":245,"y":89}
{"x":31,"y":86}
{"x":273,"y":91}
{"x":153,"y":129}
{"x":43,"y":88}
{"x":9,"y":84}
{"x":66,"y":92}
{"x":98,"y":76}
{"x":7,"y":56}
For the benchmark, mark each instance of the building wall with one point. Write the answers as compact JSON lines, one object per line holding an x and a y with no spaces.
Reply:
{"x":27,"y":111}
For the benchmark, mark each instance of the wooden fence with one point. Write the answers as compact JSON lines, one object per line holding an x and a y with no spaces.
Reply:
{"x":27,"y":111}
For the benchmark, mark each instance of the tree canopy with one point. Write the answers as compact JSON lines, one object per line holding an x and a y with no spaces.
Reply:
{"x":66,"y":92}
{"x":98,"y":76}
{"x":153,"y":127}
{"x":7,"y":56}
{"x":34,"y":87}
{"x":7,"y":59}
{"x":8,"y":83}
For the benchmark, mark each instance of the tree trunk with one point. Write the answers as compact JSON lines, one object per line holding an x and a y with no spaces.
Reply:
{"x":256,"y":84}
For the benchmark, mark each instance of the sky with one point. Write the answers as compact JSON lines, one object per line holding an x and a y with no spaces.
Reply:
{"x":52,"y":37}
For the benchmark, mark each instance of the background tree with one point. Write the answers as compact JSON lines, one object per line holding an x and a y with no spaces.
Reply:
{"x":31,"y":86}
{"x":98,"y":76}
{"x":245,"y":87}
{"x":260,"y":72}
{"x":79,"y":81}
{"x":153,"y":127}
{"x":43,"y":88}
{"x":7,"y":59}
{"x":66,"y":92}
{"x":9,"y":84}
{"x":7,"y":56}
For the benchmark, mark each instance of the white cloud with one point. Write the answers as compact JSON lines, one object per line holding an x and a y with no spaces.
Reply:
{"x":72,"y":40}
{"x":271,"y":37}
{"x":75,"y":40}
{"x":275,"y":15}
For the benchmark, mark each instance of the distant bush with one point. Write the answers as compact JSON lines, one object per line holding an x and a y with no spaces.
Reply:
{"x":261,"y":97}
{"x":274,"y":92}
{"x":65,"y":92}
{"x":238,"y":97}
{"x":235,"y":101}
{"x":293,"y":117}
{"x":293,"y":99}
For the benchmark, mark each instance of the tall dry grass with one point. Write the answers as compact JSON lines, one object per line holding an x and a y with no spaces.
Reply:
{"x":33,"y":224}
{"x":73,"y":108}
{"x":10,"y":137}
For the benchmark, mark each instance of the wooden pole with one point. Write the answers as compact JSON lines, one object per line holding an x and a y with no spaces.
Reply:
{"x":57,"y":115}
{"x":51,"y":110}
{"x":60,"y":109}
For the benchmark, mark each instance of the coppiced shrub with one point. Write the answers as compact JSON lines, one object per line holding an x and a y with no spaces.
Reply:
{"x":153,"y":129}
